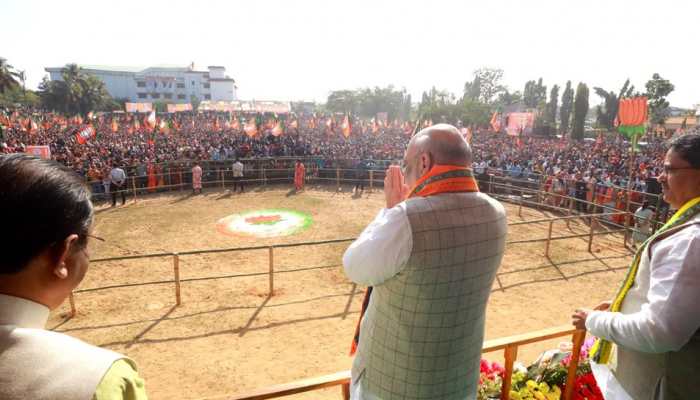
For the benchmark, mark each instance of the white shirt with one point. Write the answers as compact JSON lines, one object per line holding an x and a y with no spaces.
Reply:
{"x":672,"y":312}
{"x":382,"y":250}
{"x":117,"y":176}
{"x":237,"y":169}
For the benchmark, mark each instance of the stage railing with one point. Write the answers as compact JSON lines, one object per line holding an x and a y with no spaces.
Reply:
{"x":509,"y":345}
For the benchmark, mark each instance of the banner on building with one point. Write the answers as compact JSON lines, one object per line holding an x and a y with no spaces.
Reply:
{"x":174,"y":108}
{"x":39,"y":151}
{"x":520,"y":123}
{"x":138,"y":107}
{"x":278,"y":107}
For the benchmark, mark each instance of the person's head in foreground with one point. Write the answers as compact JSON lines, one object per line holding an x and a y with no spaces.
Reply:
{"x":46,"y":227}
{"x":48,"y":216}
{"x":680,"y":177}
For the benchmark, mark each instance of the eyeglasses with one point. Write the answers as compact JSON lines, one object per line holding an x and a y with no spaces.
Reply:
{"x":667,"y":169}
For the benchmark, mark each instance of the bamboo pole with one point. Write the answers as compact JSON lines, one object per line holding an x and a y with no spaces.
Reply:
{"x":371,"y":180}
{"x":272,"y":270}
{"x":549,"y":239}
{"x":510,"y":354}
{"x":578,"y":339}
{"x":590,"y":235}
{"x":346,"y":391}
{"x":71,"y":300}
{"x":133,"y":186}
{"x":176,"y":270}
{"x":337,"y":176}
{"x":221,"y":172}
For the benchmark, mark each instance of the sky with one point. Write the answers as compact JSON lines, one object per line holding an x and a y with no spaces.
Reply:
{"x":302,"y":50}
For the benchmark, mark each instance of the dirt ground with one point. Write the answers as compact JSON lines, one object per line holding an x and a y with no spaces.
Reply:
{"x":229,"y":337}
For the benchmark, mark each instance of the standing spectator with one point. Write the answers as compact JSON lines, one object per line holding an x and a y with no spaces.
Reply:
{"x":237,"y":169}
{"x":196,"y":178}
{"x":117,"y":184}
{"x":359,"y":177}
{"x":299,"y":175}
{"x":642,"y":224}
{"x":580,"y":187}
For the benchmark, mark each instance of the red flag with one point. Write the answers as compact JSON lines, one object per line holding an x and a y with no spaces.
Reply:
{"x":345,"y":127}
{"x":85,"y":134}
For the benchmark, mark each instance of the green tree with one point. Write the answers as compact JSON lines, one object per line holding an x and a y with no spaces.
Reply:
{"x":507,"y":98}
{"x":551,"y":112}
{"x":535,"y":94}
{"x":657,"y":90}
{"x":194,"y":100}
{"x":486,"y":86}
{"x":567,"y":103}
{"x":77,"y":93}
{"x":368,"y":102}
{"x":580,"y":111}
{"x":8,"y":76}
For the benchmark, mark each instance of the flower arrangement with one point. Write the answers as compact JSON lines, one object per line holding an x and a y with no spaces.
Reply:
{"x":545,"y":379}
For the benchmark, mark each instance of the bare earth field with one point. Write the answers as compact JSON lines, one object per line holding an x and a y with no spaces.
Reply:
{"x":229,"y":337}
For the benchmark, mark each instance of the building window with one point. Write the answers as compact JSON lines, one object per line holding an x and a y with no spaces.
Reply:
{"x":140,"y":84}
{"x":155,"y":95}
{"x":207,"y":86}
{"x":142,"y":95}
{"x":168,"y":96}
{"x":207,"y":97}
{"x":181,"y":97}
{"x":180,"y":85}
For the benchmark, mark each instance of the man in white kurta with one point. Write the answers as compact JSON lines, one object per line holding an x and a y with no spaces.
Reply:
{"x":657,"y":328}
{"x":431,"y":261}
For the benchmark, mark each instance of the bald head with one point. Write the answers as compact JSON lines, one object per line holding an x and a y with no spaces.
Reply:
{"x":439,"y":144}
{"x":445,"y":143}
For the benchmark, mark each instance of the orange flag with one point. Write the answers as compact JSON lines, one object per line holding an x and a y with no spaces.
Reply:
{"x":115,"y":126}
{"x":346,"y":127}
{"x":251,"y":128}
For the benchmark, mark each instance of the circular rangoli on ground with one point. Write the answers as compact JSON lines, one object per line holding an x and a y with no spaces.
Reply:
{"x":264,"y":223}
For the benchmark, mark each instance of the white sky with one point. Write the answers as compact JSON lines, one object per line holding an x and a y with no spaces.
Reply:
{"x":293,"y":50}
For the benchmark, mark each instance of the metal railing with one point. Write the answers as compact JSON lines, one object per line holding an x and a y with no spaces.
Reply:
{"x":177,"y":280}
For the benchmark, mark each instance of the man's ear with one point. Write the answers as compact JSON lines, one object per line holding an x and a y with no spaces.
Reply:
{"x":65,"y":248}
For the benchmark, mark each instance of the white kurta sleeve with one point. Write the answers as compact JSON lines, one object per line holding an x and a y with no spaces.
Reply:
{"x":672,"y":314}
{"x":382,"y":250}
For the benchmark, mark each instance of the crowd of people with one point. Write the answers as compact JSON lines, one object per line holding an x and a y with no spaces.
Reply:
{"x":170,"y":143}
{"x":429,"y":260}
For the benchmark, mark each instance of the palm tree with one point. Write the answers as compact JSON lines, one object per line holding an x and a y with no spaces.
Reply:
{"x":7,"y":76}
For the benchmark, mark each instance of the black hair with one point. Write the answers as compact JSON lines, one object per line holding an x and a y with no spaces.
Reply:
{"x":688,"y":147}
{"x":42,"y":203}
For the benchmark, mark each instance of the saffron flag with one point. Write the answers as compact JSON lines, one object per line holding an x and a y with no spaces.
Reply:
{"x":278,"y":129}
{"x":345,"y":127}
{"x":115,"y":125}
{"x":251,"y":128}
{"x":85,"y":134}
{"x":235,"y":124}
{"x":495,"y":122}
{"x":151,"y":120}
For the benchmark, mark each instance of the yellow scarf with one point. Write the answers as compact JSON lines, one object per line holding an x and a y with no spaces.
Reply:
{"x":602,"y":348}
